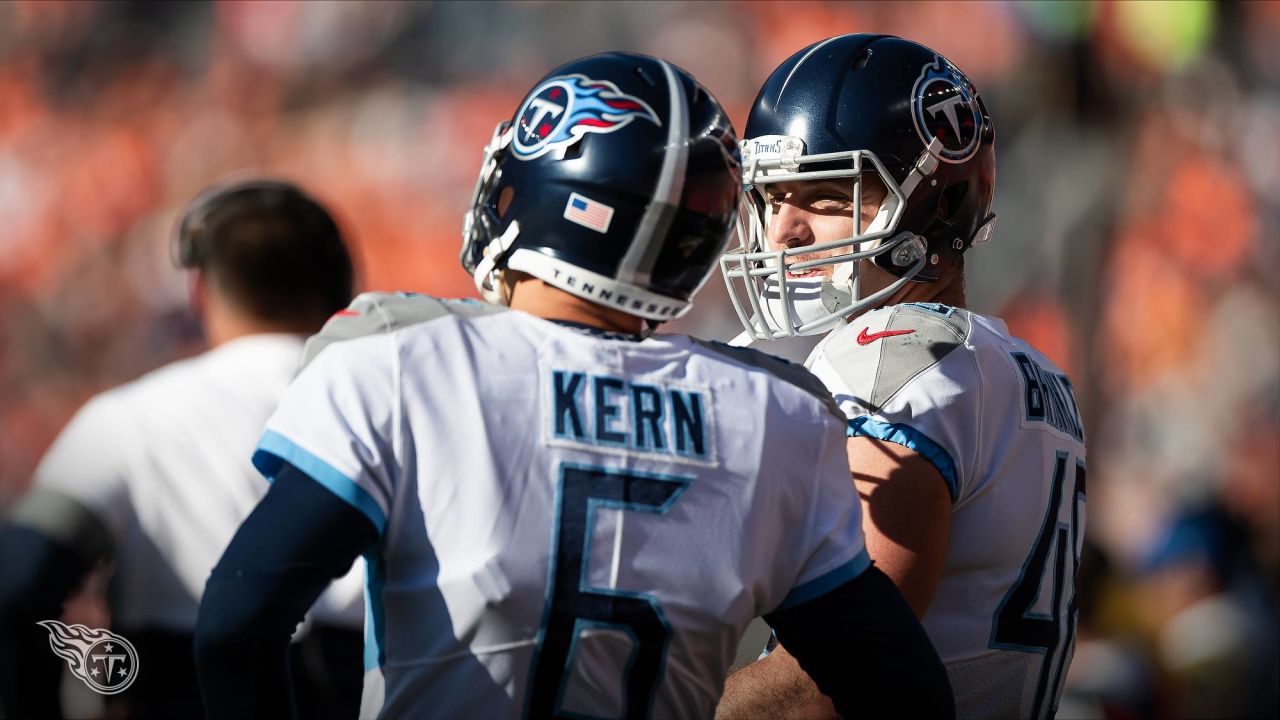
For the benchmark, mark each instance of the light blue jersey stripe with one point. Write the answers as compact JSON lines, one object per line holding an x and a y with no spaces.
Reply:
{"x":824,"y":584}
{"x":274,"y":448}
{"x":913,"y":440}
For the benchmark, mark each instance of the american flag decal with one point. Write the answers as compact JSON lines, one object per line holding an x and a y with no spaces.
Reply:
{"x":588,"y":213}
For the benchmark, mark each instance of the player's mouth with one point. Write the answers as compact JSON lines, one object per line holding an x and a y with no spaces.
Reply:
{"x":799,"y":274}
{"x":813,"y":272}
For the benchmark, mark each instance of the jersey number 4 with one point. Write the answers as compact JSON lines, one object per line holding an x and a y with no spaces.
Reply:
{"x":574,"y":606}
{"x":1056,"y":553}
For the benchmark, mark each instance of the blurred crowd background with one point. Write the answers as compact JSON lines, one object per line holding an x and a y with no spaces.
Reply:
{"x":1138,"y":198}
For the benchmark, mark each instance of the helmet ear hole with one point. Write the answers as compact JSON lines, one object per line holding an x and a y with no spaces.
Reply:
{"x":505,"y":196}
{"x":950,"y":199}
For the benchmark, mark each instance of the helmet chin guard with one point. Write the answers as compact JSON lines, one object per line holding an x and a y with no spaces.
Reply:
{"x":779,"y":304}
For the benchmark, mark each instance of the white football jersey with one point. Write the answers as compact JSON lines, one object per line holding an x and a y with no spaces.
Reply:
{"x":164,"y":463}
{"x":570,"y":522}
{"x":999,"y":421}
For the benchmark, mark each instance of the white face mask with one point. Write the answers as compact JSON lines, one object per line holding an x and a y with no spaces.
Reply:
{"x":801,"y":302}
{"x":810,"y":300}
{"x":773,"y":305}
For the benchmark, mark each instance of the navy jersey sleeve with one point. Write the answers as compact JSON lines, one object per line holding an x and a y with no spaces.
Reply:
{"x":48,"y":545}
{"x":299,"y":538}
{"x":39,"y":574}
{"x":864,"y":648}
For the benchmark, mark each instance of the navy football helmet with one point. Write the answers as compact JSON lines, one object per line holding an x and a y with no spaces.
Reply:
{"x":843,"y":108}
{"x":617,"y":181}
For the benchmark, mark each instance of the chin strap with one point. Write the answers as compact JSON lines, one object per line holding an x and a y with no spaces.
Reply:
{"x":842,"y":290}
{"x":489,"y":270}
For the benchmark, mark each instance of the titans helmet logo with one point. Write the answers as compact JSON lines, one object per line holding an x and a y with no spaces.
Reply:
{"x":104,"y":661}
{"x":563,"y":109}
{"x":944,"y":105}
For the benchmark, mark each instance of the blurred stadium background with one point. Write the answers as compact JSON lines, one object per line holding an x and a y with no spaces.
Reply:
{"x":1138,"y":197}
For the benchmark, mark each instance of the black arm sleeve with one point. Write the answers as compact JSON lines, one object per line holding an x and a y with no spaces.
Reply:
{"x":291,"y":546}
{"x":864,"y":648}
{"x":45,"y":553}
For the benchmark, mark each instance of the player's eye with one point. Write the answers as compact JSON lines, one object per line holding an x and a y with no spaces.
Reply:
{"x":832,"y":201}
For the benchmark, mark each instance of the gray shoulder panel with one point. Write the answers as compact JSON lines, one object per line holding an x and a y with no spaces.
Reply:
{"x":935,"y":331}
{"x":789,"y":372}
{"x":65,"y":520}
{"x":379,"y":312}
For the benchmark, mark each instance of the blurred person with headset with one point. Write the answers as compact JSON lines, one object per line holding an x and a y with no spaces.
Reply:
{"x":153,"y":477}
{"x":869,"y":170}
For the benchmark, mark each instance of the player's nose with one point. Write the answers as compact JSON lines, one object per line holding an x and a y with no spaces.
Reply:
{"x":789,"y":227}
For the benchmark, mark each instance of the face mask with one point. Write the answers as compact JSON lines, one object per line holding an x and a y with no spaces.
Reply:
{"x":812,"y":299}
{"x":804,"y":300}
{"x":772,"y":305}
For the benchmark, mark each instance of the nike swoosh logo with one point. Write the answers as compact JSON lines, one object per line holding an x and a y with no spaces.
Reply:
{"x":865,"y":339}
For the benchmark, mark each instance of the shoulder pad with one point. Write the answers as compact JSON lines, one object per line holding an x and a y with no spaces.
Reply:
{"x":379,"y":312}
{"x":881,"y":352}
{"x":787,"y":371}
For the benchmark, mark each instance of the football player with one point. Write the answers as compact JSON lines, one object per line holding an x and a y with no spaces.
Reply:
{"x":153,"y":477}
{"x":869,"y":168}
{"x":562,"y":515}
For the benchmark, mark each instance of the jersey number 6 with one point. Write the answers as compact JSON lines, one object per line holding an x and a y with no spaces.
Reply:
{"x":574,"y":605}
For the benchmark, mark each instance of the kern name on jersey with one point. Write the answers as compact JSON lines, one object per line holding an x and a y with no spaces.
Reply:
{"x":1000,"y":423}
{"x":557,"y":502}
